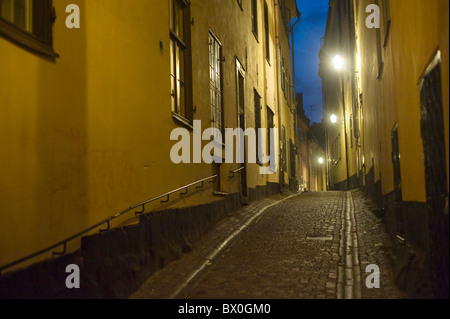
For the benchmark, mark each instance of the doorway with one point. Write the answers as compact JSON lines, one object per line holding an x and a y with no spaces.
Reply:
{"x":398,"y":192}
{"x":433,"y":137}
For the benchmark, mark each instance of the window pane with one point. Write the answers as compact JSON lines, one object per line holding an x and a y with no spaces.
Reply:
{"x":177,"y":62}
{"x":173,"y":90}
{"x":18,"y":12}
{"x":7,"y":10}
{"x":172,"y":58}
{"x":180,"y":73}
{"x":171,"y":21}
{"x":179,"y":19}
{"x":182,"y":99}
{"x":215,"y":81}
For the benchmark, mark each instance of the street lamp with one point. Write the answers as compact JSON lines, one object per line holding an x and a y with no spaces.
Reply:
{"x":321,"y":160}
{"x":338,"y":62}
{"x":333,"y":119}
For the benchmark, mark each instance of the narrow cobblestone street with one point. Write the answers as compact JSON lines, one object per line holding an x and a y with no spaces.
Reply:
{"x":309,"y":246}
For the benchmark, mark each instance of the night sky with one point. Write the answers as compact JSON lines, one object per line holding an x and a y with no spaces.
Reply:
{"x":307,"y":34}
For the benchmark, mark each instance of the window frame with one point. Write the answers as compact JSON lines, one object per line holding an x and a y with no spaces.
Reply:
{"x":255,"y":22}
{"x":284,"y":148}
{"x":258,"y":125}
{"x":351,"y":131}
{"x":39,"y":41}
{"x":386,"y":21}
{"x":215,"y":88}
{"x":182,"y":44}
{"x":270,"y":120}
{"x":267,"y":30}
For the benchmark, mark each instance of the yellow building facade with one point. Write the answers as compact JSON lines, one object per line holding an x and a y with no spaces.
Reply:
{"x":88,"y":112}
{"x":394,"y":88}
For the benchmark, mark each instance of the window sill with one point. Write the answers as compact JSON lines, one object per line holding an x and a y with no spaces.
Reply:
{"x":183,"y":121}
{"x":25,"y":40}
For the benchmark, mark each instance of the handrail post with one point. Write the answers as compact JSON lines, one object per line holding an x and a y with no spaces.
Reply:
{"x":140,"y":212}
{"x":63,"y":252}
{"x":108,"y":223}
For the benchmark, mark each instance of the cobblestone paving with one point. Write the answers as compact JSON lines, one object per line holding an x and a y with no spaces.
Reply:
{"x":291,"y":251}
{"x":374,"y":248}
{"x":164,"y":283}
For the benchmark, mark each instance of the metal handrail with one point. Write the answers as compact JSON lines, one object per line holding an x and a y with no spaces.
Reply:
{"x":236,"y":171}
{"x":106,"y":221}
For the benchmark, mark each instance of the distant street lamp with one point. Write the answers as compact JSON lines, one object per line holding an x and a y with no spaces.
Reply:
{"x":321,"y":160}
{"x":338,"y":62}
{"x":333,"y":119}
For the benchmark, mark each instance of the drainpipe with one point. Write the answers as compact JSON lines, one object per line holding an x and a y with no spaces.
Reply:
{"x":278,"y":48}
{"x":299,"y":14}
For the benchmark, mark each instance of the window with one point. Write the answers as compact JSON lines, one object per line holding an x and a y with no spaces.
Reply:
{"x":180,"y":60}
{"x":283,"y":75}
{"x":386,"y":20}
{"x":215,"y":72}
{"x":351,"y":130}
{"x":258,"y":124}
{"x":29,"y":24}
{"x":255,"y":18}
{"x":336,"y":150}
{"x":379,"y":50}
{"x":266,"y":28}
{"x":283,"y":140}
{"x":270,"y":125}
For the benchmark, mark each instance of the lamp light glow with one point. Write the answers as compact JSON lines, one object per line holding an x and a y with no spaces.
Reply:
{"x":333,"y":119}
{"x":338,"y":62}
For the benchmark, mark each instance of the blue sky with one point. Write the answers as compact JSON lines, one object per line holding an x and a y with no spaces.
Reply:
{"x":307,"y":36}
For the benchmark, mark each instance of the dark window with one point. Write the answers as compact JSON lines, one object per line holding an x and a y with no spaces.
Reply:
{"x":398,"y":189}
{"x":266,"y":29}
{"x":255,"y":18}
{"x":386,"y":20}
{"x":180,"y":60}
{"x":433,"y":138}
{"x":283,"y":75}
{"x":351,"y":130}
{"x":258,"y":124}
{"x":28,"y":23}
{"x":270,"y":125}
{"x":379,"y":49}
{"x":283,"y":140}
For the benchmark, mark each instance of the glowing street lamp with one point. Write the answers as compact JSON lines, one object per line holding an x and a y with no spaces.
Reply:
{"x":333,"y":118}
{"x":321,"y":160}
{"x":338,"y":62}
